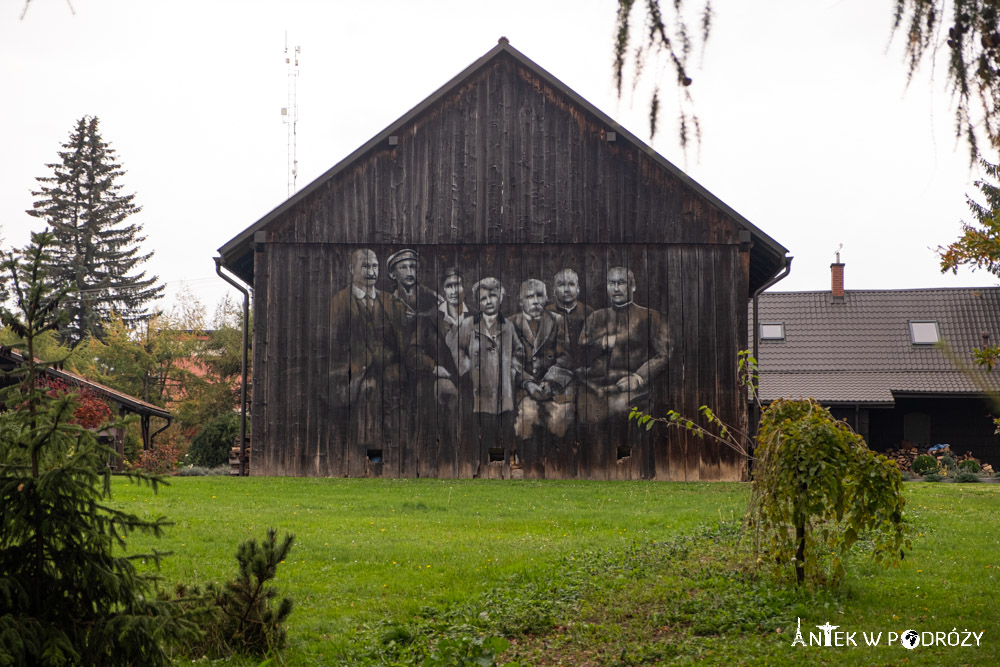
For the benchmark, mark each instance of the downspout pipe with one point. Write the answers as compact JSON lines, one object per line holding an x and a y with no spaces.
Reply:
{"x":160,"y":430}
{"x":785,"y":270}
{"x":243,"y":366}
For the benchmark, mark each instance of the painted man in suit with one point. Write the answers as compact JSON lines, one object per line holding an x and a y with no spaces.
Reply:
{"x":489,"y":352}
{"x":546,"y":398}
{"x":566,"y":302}
{"x":366,"y":374}
{"x":626,"y":348}
{"x":402,"y":267}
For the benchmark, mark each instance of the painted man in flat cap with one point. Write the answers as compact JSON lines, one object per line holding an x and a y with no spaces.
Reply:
{"x":402,"y":267}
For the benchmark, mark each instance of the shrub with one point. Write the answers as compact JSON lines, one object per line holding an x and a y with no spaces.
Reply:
{"x":965,"y":477}
{"x":970,"y":465}
{"x":948,"y":462}
{"x":933,"y":477}
{"x":201,"y":471}
{"x":924,"y":464}
{"x":211,"y":447}
{"x":246,"y":621}
{"x":817,"y":488}
{"x":160,"y":459}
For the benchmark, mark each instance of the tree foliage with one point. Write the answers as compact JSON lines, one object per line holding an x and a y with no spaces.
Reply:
{"x":211,"y":447}
{"x":663,"y":35}
{"x":979,"y":245}
{"x":67,"y":596}
{"x":817,"y":489}
{"x":96,"y":248}
{"x":965,"y":30}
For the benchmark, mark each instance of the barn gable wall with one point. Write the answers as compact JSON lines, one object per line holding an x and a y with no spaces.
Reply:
{"x":503,"y":176}
{"x":505,"y":158}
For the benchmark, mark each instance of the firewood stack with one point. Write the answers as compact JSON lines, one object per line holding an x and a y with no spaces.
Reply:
{"x":905,"y":455}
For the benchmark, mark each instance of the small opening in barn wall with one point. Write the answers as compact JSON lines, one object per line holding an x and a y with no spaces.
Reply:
{"x":624,"y":452}
{"x":375,"y":455}
{"x":496,"y":454}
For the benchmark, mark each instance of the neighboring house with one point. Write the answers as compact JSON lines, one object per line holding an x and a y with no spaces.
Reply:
{"x":506,"y":175}
{"x":897,"y":365}
{"x":121,"y":404}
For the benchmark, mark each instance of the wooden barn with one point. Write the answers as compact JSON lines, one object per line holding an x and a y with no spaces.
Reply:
{"x":487,"y":287}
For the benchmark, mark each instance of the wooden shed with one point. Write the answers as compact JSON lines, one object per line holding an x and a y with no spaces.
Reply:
{"x":485,"y":289}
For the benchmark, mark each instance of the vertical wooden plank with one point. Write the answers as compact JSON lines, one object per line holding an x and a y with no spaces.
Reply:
{"x":259,"y":448}
{"x":336,"y":424}
{"x":677,"y":285}
{"x":662,"y":295}
{"x":710,"y":342}
{"x":692,"y":361}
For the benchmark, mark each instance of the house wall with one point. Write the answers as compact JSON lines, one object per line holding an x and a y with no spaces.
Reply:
{"x":963,"y":423}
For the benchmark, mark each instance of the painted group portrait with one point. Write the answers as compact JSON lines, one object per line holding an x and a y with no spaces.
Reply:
{"x":494,"y":361}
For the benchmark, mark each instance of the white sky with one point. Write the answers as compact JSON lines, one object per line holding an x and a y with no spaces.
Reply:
{"x":809,"y":130}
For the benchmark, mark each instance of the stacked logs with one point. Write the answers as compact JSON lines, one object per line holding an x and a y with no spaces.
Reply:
{"x":905,"y":455}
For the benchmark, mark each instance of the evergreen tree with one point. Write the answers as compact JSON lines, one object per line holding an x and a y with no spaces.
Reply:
{"x":68,"y":596}
{"x":97,"y":249}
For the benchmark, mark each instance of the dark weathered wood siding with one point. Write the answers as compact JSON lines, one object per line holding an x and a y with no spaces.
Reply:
{"x":505,"y":159}
{"x":297,"y":431}
{"x":503,"y":176}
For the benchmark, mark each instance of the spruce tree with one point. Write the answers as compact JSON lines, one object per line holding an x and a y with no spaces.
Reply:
{"x":68,"y":593}
{"x":97,"y":249}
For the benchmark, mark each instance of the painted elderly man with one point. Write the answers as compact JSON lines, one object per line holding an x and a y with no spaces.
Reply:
{"x":547,"y":394}
{"x":566,"y":302}
{"x":367,"y":332}
{"x":402,"y":268}
{"x":489,"y":351}
{"x":626,"y":347}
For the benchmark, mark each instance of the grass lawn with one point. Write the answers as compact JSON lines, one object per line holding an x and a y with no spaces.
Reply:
{"x":571,"y":572}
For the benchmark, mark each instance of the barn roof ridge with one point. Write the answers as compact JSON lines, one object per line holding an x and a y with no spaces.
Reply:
{"x":241,"y":241}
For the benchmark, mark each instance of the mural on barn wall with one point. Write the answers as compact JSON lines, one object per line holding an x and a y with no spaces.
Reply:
{"x":529,"y":370}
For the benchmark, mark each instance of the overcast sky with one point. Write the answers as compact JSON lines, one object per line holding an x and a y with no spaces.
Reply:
{"x":809,"y":129}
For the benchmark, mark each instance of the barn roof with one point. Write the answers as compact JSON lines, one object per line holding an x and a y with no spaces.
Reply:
{"x":861,"y":349}
{"x":767,"y":256}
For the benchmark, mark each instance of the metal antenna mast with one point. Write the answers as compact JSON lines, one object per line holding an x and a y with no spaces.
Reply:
{"x":290,"y":114}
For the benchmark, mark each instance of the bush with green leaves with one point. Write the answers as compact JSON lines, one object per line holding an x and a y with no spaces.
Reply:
{"x":924,"y":464}
{"x":933,"y":477}
{"x":211,"y":447}
{"x":817,"y":488}
{"x":970,"y":465}
{"x":68,"y":595}
{"x":965,"y":477}
{"x":948,"y":463}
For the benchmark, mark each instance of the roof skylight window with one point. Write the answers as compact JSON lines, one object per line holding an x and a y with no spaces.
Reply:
{"x":924,"y":332}
{"x":772,"y":331}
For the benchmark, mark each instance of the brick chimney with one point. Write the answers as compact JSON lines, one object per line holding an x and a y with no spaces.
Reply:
{"x":837,"y":280}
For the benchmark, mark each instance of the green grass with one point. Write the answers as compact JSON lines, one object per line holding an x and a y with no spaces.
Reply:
{"x":571,"y":573}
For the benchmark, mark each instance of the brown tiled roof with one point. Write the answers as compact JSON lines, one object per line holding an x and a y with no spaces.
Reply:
{"x":130,"y":403}
{"x":859,"y":350}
